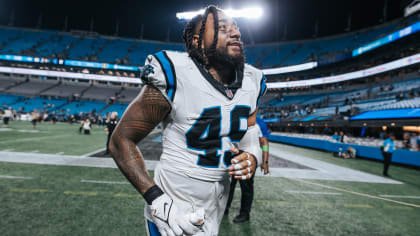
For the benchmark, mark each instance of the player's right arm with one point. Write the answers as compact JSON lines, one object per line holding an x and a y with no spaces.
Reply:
{"x":147,"y":110}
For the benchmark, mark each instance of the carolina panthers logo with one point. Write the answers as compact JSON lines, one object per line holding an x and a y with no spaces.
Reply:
{"x":146,"y":71}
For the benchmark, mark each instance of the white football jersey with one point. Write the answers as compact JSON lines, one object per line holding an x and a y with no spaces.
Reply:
{"x":206,"y":118}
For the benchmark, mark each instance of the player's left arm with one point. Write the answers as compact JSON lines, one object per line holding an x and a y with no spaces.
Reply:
{"x":264,"y":147}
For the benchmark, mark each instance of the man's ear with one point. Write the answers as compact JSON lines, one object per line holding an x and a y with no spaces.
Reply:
{"x":195,"y":40}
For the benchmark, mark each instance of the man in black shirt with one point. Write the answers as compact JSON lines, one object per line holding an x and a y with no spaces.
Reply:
{"x":110,"y":126}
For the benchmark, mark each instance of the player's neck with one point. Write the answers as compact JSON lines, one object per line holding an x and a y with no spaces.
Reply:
{"x":223,"y":75}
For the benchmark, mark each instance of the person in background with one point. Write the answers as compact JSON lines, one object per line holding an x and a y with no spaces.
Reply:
{"x":387,"y":149}
{"x":81,"y":126}
{"x":406,"y":141}
{"x":35,"y":117}
{"x":350,"y":153}
{"x":247,"y":186}
{"x":7,"y":116}
{"x":87,"y":126}
{"x":341,"y":139}
{"x":414,"y":142}
{"x":335,"y":137}
{"x":110,"y":126}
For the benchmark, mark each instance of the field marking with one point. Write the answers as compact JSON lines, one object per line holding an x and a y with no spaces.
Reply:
{"x":28,"y":131}
{"x":91,"y":153}
{"x":81,"y":193}
{"x":59,"y":153}
{"x":312,"y":192}
{"x":399,"y":207}
{"x":64,"y":160}
{"x":268,"y":201}
{"x":103,"y":182}
{"x":126,"y":195}
{"x":35,"y":151}
{"x":26,"y":190}
{"x":33,"y":139}
{"x":318,"y":204}
{"x":14,"y":177}
{"x":8,"y":150}
{"x":6,"y":129}
{"x":356,"y":193}
{"x":321,"y":170}
{"x":358,"y":206}
{"x":400,"y":196}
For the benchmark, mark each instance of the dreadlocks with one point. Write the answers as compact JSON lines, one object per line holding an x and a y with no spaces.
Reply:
{"x":196,"y":52}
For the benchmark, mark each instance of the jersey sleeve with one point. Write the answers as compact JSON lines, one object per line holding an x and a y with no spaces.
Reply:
{"x":259,"y":87}
{"x":263,"y":127}
{"x":263,"y":88}
{"x":159,"y":71}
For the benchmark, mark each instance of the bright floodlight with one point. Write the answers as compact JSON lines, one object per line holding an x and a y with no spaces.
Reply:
{"x":251,"y":13}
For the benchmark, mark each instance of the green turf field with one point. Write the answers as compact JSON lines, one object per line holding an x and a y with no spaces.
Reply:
{"x":60,"y":138}
{"x":60,"y":200}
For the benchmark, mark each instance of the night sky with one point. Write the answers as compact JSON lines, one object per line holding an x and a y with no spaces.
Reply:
{"x":158,"y":17}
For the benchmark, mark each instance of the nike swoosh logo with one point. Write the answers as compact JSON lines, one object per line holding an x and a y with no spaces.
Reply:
{"x":164,"y":209}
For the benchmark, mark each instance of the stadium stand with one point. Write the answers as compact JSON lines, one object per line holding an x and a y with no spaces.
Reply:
{"x":131,"y":51}
{"x":101,"y":92}
{"x":7,"y":99}
{"x":116,"y":49}
{"x":33,"y":87}
{"x":66,"y":89}
{"x":85,"y":48}
{"x":128,"y":94}
{"x":27,"y":41}
{"x":6,"y":82}
{"x":141,"y":50}
{"x":119,"y":108}
{"x":77,"y":107}
{"x":39,"y":103}
{"x":56,"y":46}
{"x":404,"y":94}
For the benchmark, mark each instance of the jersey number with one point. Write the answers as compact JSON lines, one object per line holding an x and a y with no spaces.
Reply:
{"x":204,"y":135}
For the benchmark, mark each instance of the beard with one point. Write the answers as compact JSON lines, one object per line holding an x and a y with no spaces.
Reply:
{"x":221,"y":59}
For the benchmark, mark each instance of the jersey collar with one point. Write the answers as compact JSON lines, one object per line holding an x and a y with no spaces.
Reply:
{"x":227,"y":90}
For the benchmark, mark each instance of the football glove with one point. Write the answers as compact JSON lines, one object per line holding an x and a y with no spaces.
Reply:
{"x":170,"y":221}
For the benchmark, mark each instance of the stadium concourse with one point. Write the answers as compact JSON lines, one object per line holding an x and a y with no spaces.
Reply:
{"x":326,"y":96}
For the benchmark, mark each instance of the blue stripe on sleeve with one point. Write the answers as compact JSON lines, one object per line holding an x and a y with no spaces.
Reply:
{"x":263,"y":87}
{"x":169,"y":74}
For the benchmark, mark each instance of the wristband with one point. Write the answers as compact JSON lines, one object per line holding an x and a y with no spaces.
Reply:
{"x":152,"y":193}
{"x":264,"y":148}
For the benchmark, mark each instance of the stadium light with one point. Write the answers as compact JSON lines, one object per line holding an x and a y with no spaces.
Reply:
{"x":250,"y":13}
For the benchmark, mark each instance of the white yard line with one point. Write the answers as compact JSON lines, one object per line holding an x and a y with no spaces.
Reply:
{"x":59,"y":153}
{"x":356,"y":193}
{"x":14,"y":177}
{"x":103,"y":182}
{"x":321,"y":170}
{"x":400,"y":196}
{"x":311,"y":192}
{"x":91,"y":153}
{"x":33,"y":139}
{"x":63,"y":160}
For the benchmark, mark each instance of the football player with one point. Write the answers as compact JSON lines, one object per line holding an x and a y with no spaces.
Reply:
{"x":207,"y":101}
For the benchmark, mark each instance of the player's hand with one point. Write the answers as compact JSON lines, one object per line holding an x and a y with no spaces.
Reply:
{"x":265,"y":168}
{"x":170,"y":221}
{"x":243,"y":165}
